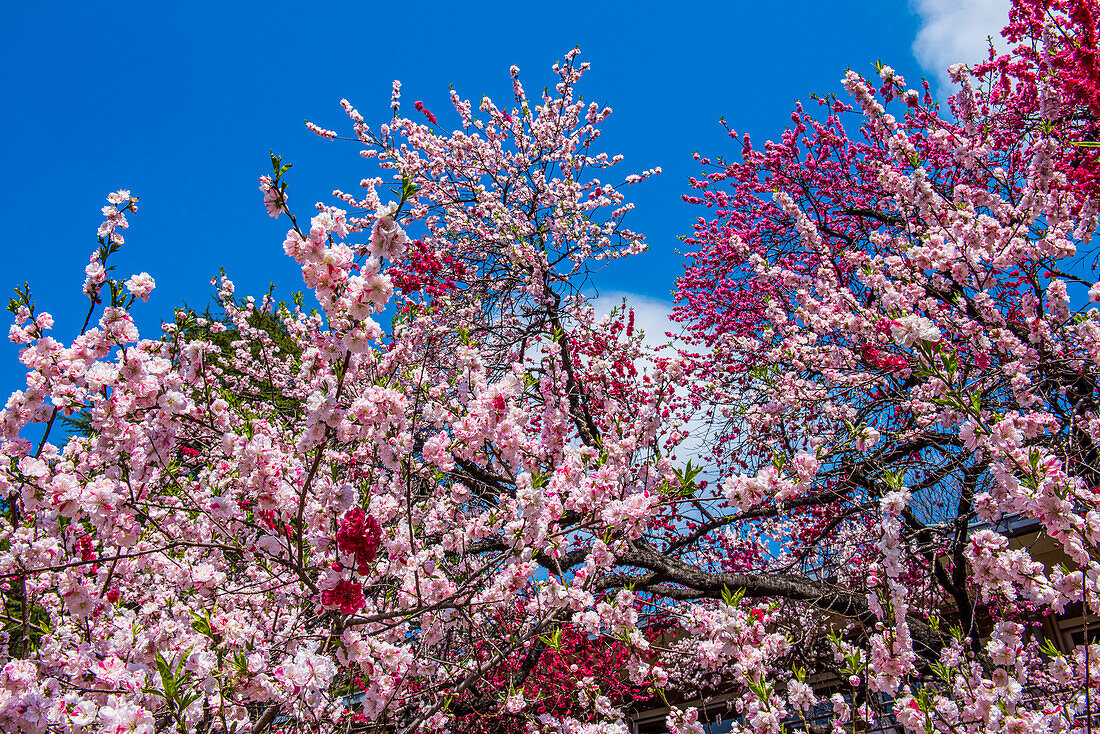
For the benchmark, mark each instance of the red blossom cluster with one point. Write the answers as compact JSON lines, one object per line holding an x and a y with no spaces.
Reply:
{"x":347,"y":596}
{"x":359,"y":535}
{"x":551,"y":676}
{"x":427,"y":113}
{"x":1055,"y":61}
{"x":427,"y":271}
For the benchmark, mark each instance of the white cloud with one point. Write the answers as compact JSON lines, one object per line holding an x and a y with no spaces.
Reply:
{"x":954,"y":31}
{"x":650,"y":314}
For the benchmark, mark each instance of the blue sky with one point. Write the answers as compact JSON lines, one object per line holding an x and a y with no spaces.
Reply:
{"x":180,"y":103}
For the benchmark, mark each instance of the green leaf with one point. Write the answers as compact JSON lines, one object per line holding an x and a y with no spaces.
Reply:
{"x":1048,"y":649}
{"x":552,"y":640}
{"x":943,"y":672}
{"x":687,"y":477}
{"x":732,"y":598}
{"x":201,"y":624}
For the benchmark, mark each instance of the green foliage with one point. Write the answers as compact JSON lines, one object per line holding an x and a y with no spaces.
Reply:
{"x":192,"y":326}
{"x":23,"y":637}
{"x":177,"y":692}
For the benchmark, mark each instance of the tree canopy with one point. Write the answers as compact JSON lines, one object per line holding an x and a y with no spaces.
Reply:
{"x":438,"y":492}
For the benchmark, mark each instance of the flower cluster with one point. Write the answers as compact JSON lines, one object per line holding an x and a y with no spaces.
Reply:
{"x":359,"y":535}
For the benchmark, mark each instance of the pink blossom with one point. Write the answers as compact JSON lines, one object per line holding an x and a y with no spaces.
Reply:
{"x":274,"y":199}
{"x":141,"y":285}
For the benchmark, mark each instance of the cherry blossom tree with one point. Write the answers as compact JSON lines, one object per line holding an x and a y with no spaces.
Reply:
{"x":891,"y":336}
{"x":284,"y":515}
